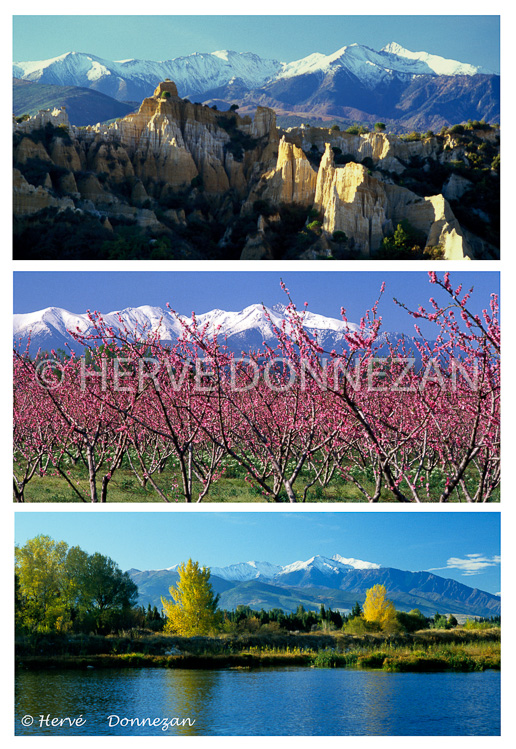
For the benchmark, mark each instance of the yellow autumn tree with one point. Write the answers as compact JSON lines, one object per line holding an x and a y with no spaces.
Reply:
{"x":380,"y":610}
{"x":193,"y":610}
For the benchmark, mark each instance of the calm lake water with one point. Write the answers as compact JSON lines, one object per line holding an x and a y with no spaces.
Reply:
{"x":288,"y":701}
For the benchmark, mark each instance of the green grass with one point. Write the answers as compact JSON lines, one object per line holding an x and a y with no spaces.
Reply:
{"x":125,"y":487}
{"x":231,"y":488}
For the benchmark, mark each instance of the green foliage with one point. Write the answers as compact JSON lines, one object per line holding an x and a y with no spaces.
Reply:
{"x":239,"y":141}
{"x":357,"y":625}
{"x":379,"y":127}
{"x":439,"y":622}
{"x":357,"y":130}
{"x":59,"y":236}
{"x":478,"y":125}
{"x":315,"y":226}
{"x":46,"y":135}
{"x":327,"y":658}
{"x":407,"y":244}
{"x":60,"y":589}
{"x":470,"y":624}
{"x":411,"y":621}
{"x":36,"y":170}
{"x":335,"y":129}
{"x":339,"y":236}
{"x":410,"y":137}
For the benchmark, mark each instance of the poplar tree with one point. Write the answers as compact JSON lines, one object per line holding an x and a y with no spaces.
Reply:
{"x":193,"y":610}
{"x":378,"y":609}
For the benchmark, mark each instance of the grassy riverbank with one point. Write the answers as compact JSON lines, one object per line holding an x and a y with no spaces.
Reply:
{"x":427,"y":650}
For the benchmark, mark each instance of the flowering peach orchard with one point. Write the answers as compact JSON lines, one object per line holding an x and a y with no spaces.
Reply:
{"x":290,"y":419}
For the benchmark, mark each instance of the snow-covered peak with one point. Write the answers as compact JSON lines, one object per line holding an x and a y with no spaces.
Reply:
{"x":363,"y":62}
{"x":322,"y":564}
{"x":243,"y":571}
{"x":49,"y":319}
{"x":223,"y":54}
{"x":439,"y":65}
{"x":247,"y":571}
{"x":192,"y":74}
{"x":254,"y":320}
{"x":356,"y":564}
{"x":335,"y":565}
{"x":201,"y":72}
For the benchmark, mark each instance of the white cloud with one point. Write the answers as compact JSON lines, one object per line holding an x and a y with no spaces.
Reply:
{"x":472,"y":564}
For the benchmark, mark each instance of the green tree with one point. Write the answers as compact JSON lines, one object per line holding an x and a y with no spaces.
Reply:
{"x":412,"y":620}
{"x":60,"y":588}
{"x":41,"y":593}
{"x":193,"y":610}
{"x":439,"y":621}
{"x":405,"y":243}
{"x":104,"y":589}
{"x":379,"y":127}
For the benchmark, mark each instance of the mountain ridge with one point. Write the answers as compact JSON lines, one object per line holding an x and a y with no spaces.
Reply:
{"x":50,"y":328}
{"x":329,"y":581}
{"x":83,"y":105}
{"x":355,"y":79}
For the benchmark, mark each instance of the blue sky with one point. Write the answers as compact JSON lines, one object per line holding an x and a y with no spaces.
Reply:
{"x":325,"y":291}
{"x":472,"y":39}
{"x":464,"y":546}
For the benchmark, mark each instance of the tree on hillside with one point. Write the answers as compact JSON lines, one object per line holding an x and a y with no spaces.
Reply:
{"x":193,"y":610}
{"x":378,"y":609}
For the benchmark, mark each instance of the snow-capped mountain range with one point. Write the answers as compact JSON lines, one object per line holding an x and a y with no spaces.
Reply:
{"x":267,"y":571}
{"x":200,"y":72}
{"x":337,"y":582}
{"x":50,"y":328}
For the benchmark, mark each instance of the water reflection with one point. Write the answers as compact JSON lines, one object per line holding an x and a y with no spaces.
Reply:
{"x":271,"y":702}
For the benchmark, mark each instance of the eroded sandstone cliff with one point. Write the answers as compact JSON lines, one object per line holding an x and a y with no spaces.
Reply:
{"x":214,"y":184}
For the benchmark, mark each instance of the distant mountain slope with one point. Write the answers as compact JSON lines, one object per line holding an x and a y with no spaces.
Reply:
{"x":136,"y":79}
{"x":354,"y":83}
{"x":423,"y":102}
{"x":332,"y":582}
{"x":241,"y":331}
{"x":84,"y":106}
